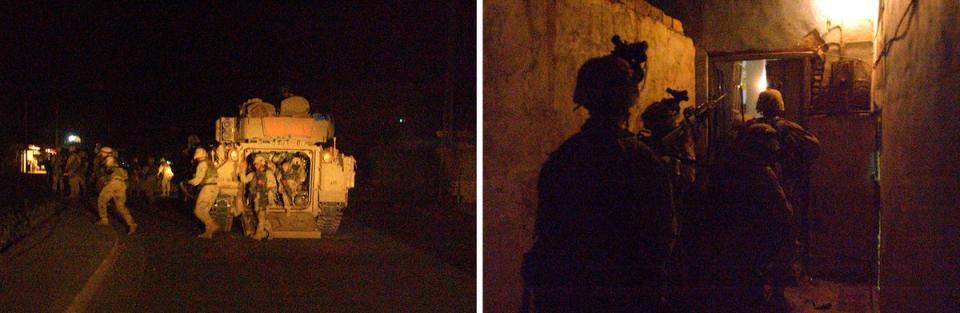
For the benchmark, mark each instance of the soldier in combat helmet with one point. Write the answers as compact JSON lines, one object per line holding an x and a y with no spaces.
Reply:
{"x":603,"y":224}
{"x":114,"y":189}
{"x":263,"y":186}
{"x":206,"y":178}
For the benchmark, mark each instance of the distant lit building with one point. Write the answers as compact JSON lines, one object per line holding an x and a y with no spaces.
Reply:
{"x":32,"y":159}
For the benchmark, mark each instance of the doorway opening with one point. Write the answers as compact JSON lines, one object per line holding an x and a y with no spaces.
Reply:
{"x":839,"y":218}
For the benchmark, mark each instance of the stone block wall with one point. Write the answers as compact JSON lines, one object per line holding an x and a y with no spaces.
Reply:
{"x":532,"y":51}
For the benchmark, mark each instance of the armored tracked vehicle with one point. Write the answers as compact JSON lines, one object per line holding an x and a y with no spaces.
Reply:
{"x":306,"y":177}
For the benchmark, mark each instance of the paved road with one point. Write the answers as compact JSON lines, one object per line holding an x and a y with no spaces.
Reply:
{"x":164,"y":268}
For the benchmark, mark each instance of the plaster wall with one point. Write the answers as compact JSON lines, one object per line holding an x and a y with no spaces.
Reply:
{"x":532,"y":50}
{"x":917,"y":86}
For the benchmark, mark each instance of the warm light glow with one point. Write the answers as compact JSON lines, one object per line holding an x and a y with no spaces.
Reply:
{"x":838,"y":11}
{"x":327,"y":156}
{"x":762,"y":82}
{"x":30,"y":161}
{"x":73,"y":139}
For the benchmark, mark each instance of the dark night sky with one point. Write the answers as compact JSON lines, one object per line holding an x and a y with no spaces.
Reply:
{"x":153,"y":73}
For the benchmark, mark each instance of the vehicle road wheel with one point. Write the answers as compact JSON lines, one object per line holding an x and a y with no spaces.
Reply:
{"x":329,"y":218}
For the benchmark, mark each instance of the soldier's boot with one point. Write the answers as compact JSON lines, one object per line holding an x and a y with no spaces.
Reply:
{"x":209,"y":229}
{"x":263,"y":226}
{"x":131,"y":224}
{"x":121,"y":207}
{"x":261,"y":230}
{"x":247,"y":220}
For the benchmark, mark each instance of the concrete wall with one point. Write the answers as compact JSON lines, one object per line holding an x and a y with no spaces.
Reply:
{"x":532,"y":50}
{"x":917,"y":86}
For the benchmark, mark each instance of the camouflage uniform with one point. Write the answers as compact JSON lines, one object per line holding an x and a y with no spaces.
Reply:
{"x":56,"y":174}
{"x":293,"y":174}
{"x":603,"y":221}
{"x":755,"y":236}
{"x":166,"y":175}
{"x":148,"y":185}
{"x":263,"y":187}
{"x":115,"y":189}
{"x":74,"y":170}
{"x":206,"y":176}
{"x":798,"y":149}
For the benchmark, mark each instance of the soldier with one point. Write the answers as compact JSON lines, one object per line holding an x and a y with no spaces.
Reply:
{"x":293,"y":174}
{"x":115,"y":189}
{"x":56,"y":172}
{"x":101,"y":174}
{"x":660,"y":119}
{"x":148,"y":185}
{"x":206,"y":178}
{"x":94,"y":169}
{"x":74,"y":171}
{"x":135,"y":180}
{"x":293,"y":105}
{"x":798,"y":149}
{"x":263,"y":186}
{"x":604,"y":218}
{"x":756,"y":236}
{"x":165,"y":173}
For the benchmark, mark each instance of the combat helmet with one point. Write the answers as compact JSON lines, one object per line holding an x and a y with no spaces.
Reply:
{"x":109,"y":161}
{"x":770,"y":103}
{"x":200,"y":154}
{"x":605,"y":87}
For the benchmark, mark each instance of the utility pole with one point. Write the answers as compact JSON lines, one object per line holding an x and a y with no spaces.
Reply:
{"x":56,"y":124}
{"x":26,"y":123}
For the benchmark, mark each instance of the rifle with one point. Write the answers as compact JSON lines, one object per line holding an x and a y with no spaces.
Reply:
{"x":691,"y":116}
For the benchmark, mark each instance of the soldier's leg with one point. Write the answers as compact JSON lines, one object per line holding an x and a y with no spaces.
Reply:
{"x":249,"y":217}
{"x":102,"y":200}
{"x":272,"y":197}
{"x":202,"y":209}
{"x":287,"y":194}
{"x":261,"y":203}
{"x":74,"y":187}
{"x":120,"y":202}
{"x":261,"y":224}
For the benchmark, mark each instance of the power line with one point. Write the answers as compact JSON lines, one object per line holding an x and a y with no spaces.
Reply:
{"x":911,"y":8}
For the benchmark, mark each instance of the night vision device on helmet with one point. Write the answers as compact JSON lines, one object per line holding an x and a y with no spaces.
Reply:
{"x":607,"y":86}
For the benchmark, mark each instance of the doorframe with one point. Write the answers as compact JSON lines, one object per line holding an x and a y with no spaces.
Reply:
{"x":805,"y":55}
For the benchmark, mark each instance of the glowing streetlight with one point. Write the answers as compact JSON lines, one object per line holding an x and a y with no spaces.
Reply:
{"x":72,"y":138}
